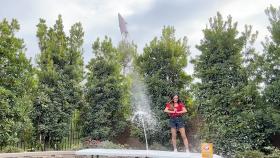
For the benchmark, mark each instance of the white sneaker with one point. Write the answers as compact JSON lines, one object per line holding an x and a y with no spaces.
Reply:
{"x":175,"y":150}
{"x":187,"y":150}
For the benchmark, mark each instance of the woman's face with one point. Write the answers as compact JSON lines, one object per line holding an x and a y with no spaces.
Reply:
{"x":175,"y":99}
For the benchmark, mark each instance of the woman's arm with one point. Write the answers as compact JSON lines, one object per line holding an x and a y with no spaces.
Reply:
{"x":168,"y":111}
{"x":184,"y":110}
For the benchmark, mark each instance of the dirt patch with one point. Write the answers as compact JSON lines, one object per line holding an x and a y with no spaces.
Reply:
{"x":126,"y":139}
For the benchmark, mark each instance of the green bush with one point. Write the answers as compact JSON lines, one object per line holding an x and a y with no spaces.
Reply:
{"x":110,"y":145}
{"x":11,"y":149}
{"x":77,"y":146}
{"x":274,"y":154}
{"x":250,"y":154}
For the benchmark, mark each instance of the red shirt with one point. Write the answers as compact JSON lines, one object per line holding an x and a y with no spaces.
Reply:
{"x":178,"y":108}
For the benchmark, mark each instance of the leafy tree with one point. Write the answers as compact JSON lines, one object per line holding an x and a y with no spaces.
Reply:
{"x":60,"y":72}
{"x":227,"y":95}
{"x":271,"y":67}
{"x":73,"y":73}
{"x":162,"y":65}
{"x":104,"y":117}
{"x":17,"y":84}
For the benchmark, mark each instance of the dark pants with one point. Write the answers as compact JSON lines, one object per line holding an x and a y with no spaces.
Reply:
{"x":176,"y":122}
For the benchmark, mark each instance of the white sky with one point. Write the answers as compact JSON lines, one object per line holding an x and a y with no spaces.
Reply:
{"x":145,"y":19}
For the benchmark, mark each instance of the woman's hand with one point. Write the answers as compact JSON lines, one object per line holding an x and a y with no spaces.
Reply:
{"x":169,"y":111}
{"x":184,"y":110}
{"x":172,"y":112}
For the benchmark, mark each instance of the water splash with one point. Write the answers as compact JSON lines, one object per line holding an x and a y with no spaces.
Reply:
{"x":142,"y":114}
{"x":141,"y":104}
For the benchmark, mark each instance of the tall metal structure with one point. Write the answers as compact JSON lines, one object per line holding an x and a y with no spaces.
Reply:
{"x":125,"y":46}
{"x":123,"y":28}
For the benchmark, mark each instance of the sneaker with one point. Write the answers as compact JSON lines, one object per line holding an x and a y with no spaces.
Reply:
{"x":187,"y":150}
{"x":175,"y":150}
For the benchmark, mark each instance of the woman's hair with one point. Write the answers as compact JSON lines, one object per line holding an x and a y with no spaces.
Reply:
{"x":171,"y":98}
{"x":171,"y":102}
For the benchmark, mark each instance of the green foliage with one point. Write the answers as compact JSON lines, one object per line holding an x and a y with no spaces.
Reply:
{"x":233,"y":115}
{"x":105,"y":116}
{"x":162,"y":65}
{"x":17,"y":84}
{"x":236,"y":118}
{"x":110,"y":145}
{"x":11,"y":149}
{"x":250,"y":154}
{"x":258,"y":154}
{"x":77,"y":147}
{"x":270,"y":66}
{"x":274,"y":154}
{"x":60,"y":73}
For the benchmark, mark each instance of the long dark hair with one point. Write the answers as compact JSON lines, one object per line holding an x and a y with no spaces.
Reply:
{"x":171,"y":102}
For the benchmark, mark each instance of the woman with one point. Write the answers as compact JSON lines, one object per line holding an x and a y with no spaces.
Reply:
{"x":175,"y":109}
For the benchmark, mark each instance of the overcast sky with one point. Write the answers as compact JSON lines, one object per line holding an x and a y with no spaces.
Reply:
{"x":145,"y":18}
